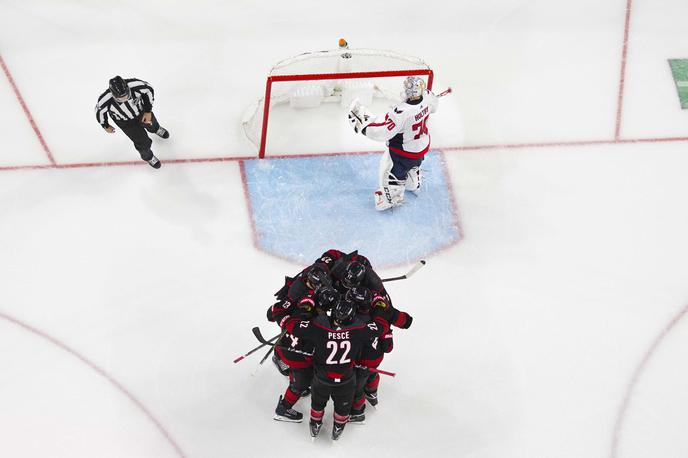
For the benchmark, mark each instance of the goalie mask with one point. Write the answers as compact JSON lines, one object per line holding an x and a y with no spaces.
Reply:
{"x":414,"y":87}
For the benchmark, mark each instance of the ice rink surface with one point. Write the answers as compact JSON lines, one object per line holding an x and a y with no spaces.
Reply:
{"x":556,"y":326}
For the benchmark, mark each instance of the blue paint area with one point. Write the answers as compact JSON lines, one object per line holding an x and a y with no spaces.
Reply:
{"x":303,"y":206}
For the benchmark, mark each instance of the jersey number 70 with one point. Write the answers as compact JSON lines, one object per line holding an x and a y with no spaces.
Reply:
{"x":421,"y":127}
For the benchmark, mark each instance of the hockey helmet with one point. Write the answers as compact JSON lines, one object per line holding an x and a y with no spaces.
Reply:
{"x":119,"y":89}
{"x":316,"y":278}
{"x":355,"y":272}
{"x":344,"y":311}
{"x":326,"y":298}
{"x":414,"y":87}
{"x":361,"y":296}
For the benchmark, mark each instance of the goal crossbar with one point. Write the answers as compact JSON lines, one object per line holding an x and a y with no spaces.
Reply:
{"x":328,"y":76}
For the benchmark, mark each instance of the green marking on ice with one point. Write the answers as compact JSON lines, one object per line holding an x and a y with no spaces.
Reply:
{"x":679,"y":69}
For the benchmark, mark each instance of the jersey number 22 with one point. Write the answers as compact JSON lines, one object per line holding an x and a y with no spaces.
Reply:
{"x":344,"y":345}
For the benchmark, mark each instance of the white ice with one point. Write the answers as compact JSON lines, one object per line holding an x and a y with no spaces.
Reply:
{"x":555,"y":328}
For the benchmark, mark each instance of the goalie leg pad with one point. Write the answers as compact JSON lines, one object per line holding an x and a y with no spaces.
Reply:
{"x":414,"y":179}
{"x":386,"y":177}
{"x":387,"y":197}
{"x":391,"y":191}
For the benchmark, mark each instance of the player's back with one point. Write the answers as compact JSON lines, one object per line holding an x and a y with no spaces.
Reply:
{"x":412,"y":118}
{"x":405,"y":127}
{"x":337,"y":347}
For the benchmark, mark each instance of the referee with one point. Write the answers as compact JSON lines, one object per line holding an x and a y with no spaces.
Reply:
{"x":129,"y":102}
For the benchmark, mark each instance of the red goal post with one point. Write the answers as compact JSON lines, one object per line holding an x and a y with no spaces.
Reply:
{"x":374,"y":66}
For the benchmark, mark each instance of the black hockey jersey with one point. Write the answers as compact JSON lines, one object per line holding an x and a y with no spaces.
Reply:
{"x":336,"y":348}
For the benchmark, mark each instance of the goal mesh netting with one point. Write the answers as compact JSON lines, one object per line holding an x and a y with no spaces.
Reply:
{"x":310,"y":79}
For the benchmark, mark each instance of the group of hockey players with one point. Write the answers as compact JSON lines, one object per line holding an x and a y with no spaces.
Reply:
{"x":336,"y":319}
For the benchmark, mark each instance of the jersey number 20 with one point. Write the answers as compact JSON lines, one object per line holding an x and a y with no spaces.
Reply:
{"x":344,"y":345}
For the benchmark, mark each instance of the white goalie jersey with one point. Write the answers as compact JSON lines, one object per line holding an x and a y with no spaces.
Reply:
{"x":405,"y":127}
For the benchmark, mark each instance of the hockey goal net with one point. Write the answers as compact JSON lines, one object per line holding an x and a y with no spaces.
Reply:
{"x":307,"y":81}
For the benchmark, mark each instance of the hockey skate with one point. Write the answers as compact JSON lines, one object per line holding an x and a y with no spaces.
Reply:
{"x":337,"y":430}
{"x":162,"y":132}
{"x":280,"y":365}
{"x":154,"y":162}
{"x":357,"y":417}
{"x":315,"y":428}
{"x":282,"y":413}
{"x":371,"y":397}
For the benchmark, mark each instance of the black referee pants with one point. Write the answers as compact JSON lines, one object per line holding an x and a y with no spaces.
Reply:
{"x":136,"y":131}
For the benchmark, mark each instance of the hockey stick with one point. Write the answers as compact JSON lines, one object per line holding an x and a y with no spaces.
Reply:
{"x":379,"y":371}
{"x":272,"y":347}
{"x":445,"y":92}
{"x":408,"y":274}
{"x":259,"y":336}
{"x":261,"y":339}
{"x":263,"y":359}
{"x":267,"y":342}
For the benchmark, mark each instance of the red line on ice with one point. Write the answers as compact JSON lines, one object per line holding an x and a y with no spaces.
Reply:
{"x":121,"y":388}
{"x":447,"y":149}
{"x":249,"y":205}
{"x":622,"y":75}
{"x":27,"y":112}
{"x":637,"y":374}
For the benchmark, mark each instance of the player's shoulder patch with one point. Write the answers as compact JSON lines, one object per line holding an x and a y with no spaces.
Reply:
{"x":398,"y":111}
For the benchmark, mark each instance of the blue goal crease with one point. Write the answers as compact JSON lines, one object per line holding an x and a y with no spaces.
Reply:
{"x":303,"y":206}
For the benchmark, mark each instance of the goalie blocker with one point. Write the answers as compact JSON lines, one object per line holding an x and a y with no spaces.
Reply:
{"x":405,"y":131}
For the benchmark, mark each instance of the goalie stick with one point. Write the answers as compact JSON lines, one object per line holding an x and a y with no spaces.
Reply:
{"x":261,"y":339}
{"x":408,"y":274}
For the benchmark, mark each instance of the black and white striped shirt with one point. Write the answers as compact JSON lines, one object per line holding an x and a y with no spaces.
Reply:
{"x":141,"y":101}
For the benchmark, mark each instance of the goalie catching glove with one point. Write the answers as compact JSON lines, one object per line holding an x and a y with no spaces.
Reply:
{"x":358,"y":118}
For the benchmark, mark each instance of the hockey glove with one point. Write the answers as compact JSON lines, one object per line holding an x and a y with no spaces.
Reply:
{"x":358,"y":118}
{"x":382,"y":309}
{"x":380,"y":304}
{"x":406,"y":321}
{"x":356,"y":123}
{"x":306,"y":305}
